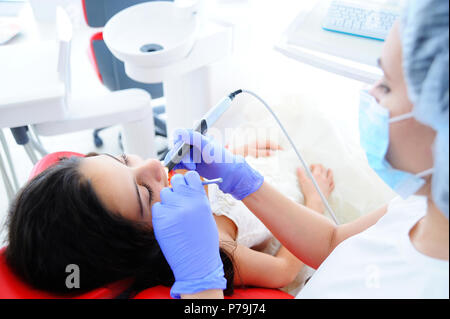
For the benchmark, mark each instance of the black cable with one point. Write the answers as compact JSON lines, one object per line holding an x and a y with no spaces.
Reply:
{"x":234,"y":94}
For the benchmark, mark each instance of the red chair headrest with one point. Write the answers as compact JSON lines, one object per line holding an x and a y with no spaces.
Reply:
{"x":50,"y":160}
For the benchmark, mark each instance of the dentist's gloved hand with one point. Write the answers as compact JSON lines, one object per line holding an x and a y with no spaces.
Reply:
{"x":187,"y":234}
{"x":211,"y":160}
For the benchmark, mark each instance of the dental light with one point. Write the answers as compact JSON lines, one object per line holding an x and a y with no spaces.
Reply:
{"x":215,"y":113}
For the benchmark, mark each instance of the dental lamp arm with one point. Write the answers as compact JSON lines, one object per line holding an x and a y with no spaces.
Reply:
{"x":311,"y":237}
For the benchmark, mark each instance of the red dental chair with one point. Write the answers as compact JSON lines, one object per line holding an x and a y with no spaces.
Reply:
{"x":12,"y":287}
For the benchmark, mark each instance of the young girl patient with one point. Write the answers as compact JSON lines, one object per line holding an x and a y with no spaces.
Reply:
{"x":95,"y":212}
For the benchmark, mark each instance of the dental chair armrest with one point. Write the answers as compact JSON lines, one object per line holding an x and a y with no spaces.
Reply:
{"x":162,"y":292}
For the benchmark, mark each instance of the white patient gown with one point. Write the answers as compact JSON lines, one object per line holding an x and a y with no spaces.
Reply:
{"x":250,"y":230}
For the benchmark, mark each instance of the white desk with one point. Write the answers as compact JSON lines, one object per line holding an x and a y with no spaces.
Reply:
{"x":30,"y":91}
{"x":294,"y":28}
{"x":28,"y":72}
{"x":350,"y":56}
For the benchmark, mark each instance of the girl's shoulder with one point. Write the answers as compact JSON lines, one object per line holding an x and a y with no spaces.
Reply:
{"x":227,"y":228}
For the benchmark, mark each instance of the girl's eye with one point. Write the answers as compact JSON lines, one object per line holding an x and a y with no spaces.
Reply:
{"x":150,"y":193}
{"x":125,"y":159}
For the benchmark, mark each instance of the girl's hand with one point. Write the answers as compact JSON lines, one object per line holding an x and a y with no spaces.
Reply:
{"x":257,"y":149}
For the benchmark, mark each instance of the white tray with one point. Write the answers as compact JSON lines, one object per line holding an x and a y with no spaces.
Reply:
{"x":305,"y":40}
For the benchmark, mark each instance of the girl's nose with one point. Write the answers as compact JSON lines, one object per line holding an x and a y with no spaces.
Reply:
{"x":150,"y":169}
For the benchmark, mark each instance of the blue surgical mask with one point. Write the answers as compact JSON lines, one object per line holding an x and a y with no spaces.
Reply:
{"x":374,"y":123}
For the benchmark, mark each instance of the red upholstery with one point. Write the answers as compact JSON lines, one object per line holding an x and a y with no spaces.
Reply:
{"x":83,"y":4}
{"x":11,"y":287}
{"x":50,"y":160}
{"x":162,"y":292}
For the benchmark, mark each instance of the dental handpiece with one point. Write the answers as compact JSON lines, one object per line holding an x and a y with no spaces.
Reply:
{"x":184,"y":148}
{"x":202,"y":126}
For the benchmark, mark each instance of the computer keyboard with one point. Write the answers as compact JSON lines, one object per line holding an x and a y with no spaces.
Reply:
{"x":360,"y":19}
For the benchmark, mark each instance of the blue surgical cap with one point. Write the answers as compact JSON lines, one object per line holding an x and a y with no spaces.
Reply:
{"x":425,"y":33}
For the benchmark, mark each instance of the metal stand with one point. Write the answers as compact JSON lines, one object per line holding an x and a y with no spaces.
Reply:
{"x":8,"y":158}
{"x":24,"y":136}
{"x":36,"y":142}
{"x":30,"y":152}
{"x":11,"y":187}
{"x":32,"y":145}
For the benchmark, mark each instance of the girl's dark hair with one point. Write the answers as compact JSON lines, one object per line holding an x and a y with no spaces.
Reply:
{"x":57,"y":220}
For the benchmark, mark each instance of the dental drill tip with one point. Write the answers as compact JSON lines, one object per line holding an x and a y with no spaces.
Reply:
{"x":170,"y":166}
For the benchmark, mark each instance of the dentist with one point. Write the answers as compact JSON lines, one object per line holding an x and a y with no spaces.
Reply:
{"x":398,"y":251}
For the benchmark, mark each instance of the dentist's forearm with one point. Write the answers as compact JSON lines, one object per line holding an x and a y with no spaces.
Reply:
{"x":305,"y":233}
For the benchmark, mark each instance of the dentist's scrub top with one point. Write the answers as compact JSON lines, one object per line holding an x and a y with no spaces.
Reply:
{"x":381,"y":262}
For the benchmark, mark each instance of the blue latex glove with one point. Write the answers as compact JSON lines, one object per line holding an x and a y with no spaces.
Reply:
{"x":187,"y":234}
{"x":211,"y":160}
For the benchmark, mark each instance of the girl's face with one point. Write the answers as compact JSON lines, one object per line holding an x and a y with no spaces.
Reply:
{"x":127,"y":185}
{"x":410,"y":147}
